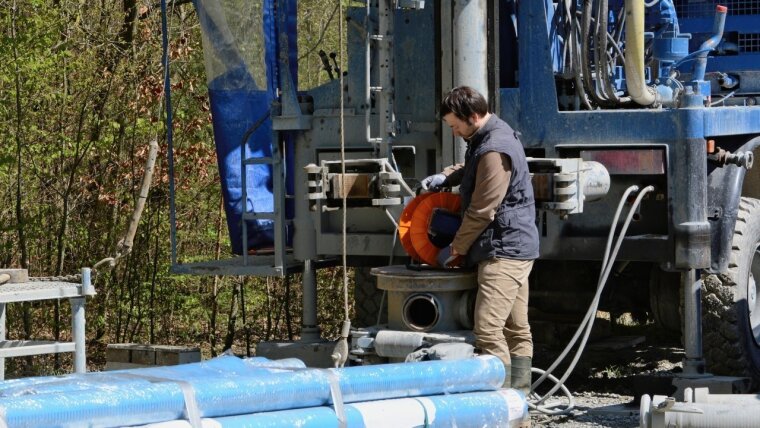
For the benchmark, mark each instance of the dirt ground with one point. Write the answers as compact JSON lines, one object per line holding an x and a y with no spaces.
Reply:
{"x":618,"y":366}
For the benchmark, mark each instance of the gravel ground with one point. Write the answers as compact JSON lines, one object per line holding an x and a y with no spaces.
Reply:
{"x":608,"y":377}
{"x":589,"y":412}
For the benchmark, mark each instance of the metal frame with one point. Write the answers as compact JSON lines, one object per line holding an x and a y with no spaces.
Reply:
{"x":532,"y":109}
{"x":34,"y":291}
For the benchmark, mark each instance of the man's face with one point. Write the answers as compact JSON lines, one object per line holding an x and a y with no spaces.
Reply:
{"x":459,"y":127}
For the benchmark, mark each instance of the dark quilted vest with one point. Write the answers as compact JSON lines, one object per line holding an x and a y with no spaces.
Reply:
{"x":512,"y":234}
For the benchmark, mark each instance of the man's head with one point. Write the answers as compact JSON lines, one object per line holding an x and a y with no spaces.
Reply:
{"x":464,"y":110}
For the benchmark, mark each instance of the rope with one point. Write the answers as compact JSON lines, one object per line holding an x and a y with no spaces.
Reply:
{"x":124,"y":246}
{"x":340,"y":352}
{"x":343,"y":164}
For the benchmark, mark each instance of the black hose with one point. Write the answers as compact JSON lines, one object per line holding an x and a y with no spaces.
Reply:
{"x":604,"y":67}
{"x":251,"y":130}
{"x":599,"y":52}
{"x":585,"y":60}
{"x":575,"y":57}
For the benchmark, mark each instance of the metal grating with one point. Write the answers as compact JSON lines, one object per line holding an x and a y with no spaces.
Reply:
{"x":749,"y":42}
{"x":703,"y":8}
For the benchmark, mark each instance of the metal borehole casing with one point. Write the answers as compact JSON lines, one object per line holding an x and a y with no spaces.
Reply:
{"x":427,"y":300}
{"x":421,"y":312}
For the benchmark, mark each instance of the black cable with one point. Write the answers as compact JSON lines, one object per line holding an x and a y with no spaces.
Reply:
{"x":585,"y":60}
{"x":575,"y":57}
{"x":251,"y":130}
{"x":608,"y":67}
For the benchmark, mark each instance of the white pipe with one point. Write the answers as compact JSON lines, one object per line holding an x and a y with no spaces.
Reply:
{"x":634,"y":55}
{"x":367,"y":71}
{"x":470,"y":46}
{"x":502,"y":408}
{"x":660,"y":412}
{"x":703,"y":395}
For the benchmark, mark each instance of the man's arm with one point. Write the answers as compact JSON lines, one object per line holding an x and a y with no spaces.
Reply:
{"x":454,"y":174}
{"x":491,"y":184}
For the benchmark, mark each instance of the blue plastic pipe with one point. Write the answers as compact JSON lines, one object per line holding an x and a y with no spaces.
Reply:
{"x":501,"y":408}
{"x":215,"y":367}
{"x":242,"y":389}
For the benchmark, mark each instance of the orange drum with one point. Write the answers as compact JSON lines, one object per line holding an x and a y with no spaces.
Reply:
{"x":405,"y":223}
{"x":423,"y":249}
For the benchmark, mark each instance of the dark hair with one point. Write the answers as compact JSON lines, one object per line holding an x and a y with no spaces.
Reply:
{"x":463,"y":102}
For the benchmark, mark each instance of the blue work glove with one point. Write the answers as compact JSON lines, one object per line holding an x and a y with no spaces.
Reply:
{"x":433,"y":182}
{"x":446,"y":260}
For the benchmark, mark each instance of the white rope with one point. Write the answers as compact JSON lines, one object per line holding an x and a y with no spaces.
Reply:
{"x":340,"y":352}
{"x":343,"y":163}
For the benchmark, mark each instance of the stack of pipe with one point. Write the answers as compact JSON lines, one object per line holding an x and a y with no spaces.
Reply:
{"x":232,"y":392}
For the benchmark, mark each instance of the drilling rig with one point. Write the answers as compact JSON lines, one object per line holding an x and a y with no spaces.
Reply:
{"x":612,"y":99}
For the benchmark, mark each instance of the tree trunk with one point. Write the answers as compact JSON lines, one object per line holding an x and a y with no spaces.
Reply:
{"x":215,"y":290}
{"x":229,"y":339}
{"x":19,"y":144}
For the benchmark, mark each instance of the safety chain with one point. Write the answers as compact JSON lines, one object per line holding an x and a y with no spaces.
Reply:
{"x":108,"y":262}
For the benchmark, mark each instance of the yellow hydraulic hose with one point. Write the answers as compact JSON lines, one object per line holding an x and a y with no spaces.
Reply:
{"x":634,"y":54}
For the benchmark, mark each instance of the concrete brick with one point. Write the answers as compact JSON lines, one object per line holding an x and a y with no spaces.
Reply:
{"x":17,"y":275}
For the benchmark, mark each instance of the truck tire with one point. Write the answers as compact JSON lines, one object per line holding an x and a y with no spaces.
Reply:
{"x":731,"y":310}
{"x":367,"y":299}
{"x":666,"y":299}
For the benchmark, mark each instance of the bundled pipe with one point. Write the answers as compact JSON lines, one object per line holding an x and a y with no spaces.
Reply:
{"x":143,"y":396}
{"x":503,"y":408}
{"x":216,"y":367}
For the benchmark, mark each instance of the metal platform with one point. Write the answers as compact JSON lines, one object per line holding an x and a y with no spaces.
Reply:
{"x":254,"y":265}
{"x":46,"y":290}
{"x":31,"y":291}
{"x":262,"y":265}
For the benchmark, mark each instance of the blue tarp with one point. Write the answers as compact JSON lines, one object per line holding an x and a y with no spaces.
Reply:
{"x":238,"y":101}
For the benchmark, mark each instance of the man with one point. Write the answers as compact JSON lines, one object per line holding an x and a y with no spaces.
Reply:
{"x":498,"y":231}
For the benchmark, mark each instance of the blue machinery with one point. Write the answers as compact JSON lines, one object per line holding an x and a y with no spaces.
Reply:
{"x":663,"y":95}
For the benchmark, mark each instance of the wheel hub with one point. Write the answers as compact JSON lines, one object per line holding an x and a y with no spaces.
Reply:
{"x":752,"y":301}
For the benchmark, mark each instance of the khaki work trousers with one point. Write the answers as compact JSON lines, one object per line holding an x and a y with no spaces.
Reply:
{"x":501,"y":309}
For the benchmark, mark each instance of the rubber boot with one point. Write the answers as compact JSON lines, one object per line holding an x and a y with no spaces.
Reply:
{"x":521,"y":381}
{"x":507,"y":376}
{"x":521,"y":374}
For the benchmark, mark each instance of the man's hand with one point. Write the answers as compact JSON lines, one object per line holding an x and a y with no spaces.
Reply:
{"x":448,"y":257}
{"x":433,"y":182}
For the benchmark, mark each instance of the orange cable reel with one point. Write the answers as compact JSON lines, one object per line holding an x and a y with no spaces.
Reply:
{"x":416,"y":228}
{"x":405,"y":224}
